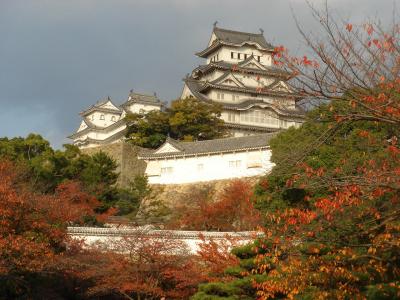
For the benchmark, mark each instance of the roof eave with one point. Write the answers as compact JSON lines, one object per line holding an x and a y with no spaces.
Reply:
{"x":180,"y":154}
{"x":205,"y":53}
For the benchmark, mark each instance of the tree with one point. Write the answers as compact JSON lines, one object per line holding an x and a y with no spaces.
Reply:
{"x":236,"y":279}
{"x":187,"y":119}
{"x":129,"y":199}
{"x":343,"y":149}
{"x":140,"y":267}
{"x":343,"y":242}
{"x":233,"y":210}
{"x":46,"y":169}
{"x":33,"y":230}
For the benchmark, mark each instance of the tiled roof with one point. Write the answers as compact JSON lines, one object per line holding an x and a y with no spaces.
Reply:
{"x":110,"y":139}
{"x":239,"y":37}
{"x":97,"y":107}
{"x":92,"y":127}
{"x":235,"y":38}
{"x":212,"y":146}
{"x":252,"y":127}
{"x":143,"y":99}
{"x":237,"y":68}
{"x":246,"y":104}
{"x":196,"y":86}
{"x":264,"y":91}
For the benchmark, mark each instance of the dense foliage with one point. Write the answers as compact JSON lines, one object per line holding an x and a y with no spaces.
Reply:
{"x":46,"y":168}
{"x":331,"y":206}
{"x":33,"y":231}
{"x":232,"y":210}
{"x":320,"y":143}
{"x":237,"y":280}
{"x":187,"y":119}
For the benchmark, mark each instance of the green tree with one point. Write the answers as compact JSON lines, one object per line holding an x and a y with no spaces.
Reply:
{"x":187,"y":119}
{"x":237,"y":282}
{"x":320,"y":143}
{"x":129,"y":199}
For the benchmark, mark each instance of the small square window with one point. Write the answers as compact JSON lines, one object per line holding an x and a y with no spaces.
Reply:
{"x":166,"y":170}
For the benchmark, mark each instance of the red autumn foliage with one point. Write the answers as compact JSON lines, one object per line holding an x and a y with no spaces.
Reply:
{"x":345,"y":245}
{"x":233,"y":211}
{"x":33,"y":226}
{"x":141,"y":267}
{"x":215,"y":256}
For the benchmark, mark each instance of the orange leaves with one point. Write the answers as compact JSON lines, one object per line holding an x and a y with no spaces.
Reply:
{"x":306,"y":62}
{"x":349,"y":27}
{"x":216,"y":257}
{"x":363,"y":133}
{"x":233,"y":210}
{"x":369,"y":29}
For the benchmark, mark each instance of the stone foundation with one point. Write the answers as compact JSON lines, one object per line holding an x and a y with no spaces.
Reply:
{"x":125,"y":155}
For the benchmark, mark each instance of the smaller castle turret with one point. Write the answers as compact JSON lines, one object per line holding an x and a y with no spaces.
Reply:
{"x":104,"y":122}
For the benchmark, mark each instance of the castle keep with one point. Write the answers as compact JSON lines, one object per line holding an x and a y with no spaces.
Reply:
{"x":256,"y":101}
{"x":240,"y":75}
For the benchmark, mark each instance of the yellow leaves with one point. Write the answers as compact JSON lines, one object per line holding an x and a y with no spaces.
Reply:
{"x":314,"y":250}
{"x":371,"y":250}
{"x":323,"y":269}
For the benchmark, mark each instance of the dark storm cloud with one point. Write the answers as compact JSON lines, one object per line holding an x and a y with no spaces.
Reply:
{"x":57,"y":57}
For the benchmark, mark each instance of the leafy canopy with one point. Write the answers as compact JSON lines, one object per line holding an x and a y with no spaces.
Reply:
{"x":187,"y":119}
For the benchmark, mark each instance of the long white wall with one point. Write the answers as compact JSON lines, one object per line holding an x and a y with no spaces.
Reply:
{"x":210,"y":167}
{"x":108,"y":237}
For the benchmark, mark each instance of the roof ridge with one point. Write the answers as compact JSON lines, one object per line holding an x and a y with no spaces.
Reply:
{"x":240,"y":32}
{"x":225,"y":138}
{"x":141,"y":94}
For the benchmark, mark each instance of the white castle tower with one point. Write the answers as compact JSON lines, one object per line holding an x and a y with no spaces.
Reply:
{"x":104,"y":122}
{"x":239,"y":74}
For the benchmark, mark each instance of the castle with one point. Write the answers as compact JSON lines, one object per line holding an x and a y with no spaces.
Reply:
{"x":256,"y":101}
{"x":239,"y":74}
{"x":104,"y":122}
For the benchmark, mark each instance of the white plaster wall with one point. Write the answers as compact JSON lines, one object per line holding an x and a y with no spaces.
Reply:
{"x":102,"y":135}
{"x":99,"y":135}
{"x":108,"y":242}
{"x":214,"y":167}
{"x":186,"y":93}
{"x":237,"y":117}
{"x":224,"y":53}
{"x":137,"y":108}
{"x":254,"y":81}
{"x":108,"y":118}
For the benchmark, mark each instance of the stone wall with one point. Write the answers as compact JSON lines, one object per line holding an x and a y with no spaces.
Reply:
{"x":125,"y":155}
{"x":159,"y":205}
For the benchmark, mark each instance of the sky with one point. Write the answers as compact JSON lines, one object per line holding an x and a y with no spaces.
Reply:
{"x":58,"y":57}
